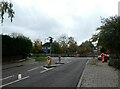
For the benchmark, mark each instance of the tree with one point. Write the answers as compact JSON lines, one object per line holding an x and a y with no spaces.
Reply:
{"x":72,"y":45}
{"x":108,"y":36}
{"x":6,"y":7}
{"x":94,"y":38}
{"x":86,"y":47}
{"x":56,"y":47}
{"x":37,"y":46}
{"x":19,"y":46}
{"x":63,"y":41}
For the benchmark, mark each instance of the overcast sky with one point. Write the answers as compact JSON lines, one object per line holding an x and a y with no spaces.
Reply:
{"x":44,"y":18}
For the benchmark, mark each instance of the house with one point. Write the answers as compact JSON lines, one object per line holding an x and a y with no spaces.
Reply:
{"x":46,"y":47}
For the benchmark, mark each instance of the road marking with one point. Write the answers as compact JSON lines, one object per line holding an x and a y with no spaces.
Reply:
{"x":43,"y":71}
{"x":7,"y":77}
{"x":87,"y":62}
{"x":46,"y":70}
{"x":33,"y":69}
{"x":81,"y":78}
{"x":14,"y":81}
{"x":80,"y":81}
{"x":68,"y":61}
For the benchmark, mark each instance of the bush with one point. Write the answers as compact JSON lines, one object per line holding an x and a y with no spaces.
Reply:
{"x":18,"y":46}
{"x":115,"y":63}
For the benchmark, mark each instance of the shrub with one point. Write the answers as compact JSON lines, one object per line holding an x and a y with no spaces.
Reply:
{"x":16,"y":46}
{"x":115,"y":63}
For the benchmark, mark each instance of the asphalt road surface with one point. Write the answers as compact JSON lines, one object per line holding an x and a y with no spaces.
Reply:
{"x":36,"y":75}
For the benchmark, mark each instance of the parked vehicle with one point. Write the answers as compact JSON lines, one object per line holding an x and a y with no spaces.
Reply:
{"x":107,"y":57}
{"x":100,"y":57}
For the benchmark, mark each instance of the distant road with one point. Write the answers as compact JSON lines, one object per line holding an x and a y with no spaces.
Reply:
{"x":35,"y":75}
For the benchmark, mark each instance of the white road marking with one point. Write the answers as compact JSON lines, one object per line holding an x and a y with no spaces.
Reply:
{"x":14,"y":81}
{"x":68,"y":61}
{"x":7,"y":77}
{"x":43,"y":71}
{"x":46,"y":70}
{"x":87,"y":62}
{"x":81,"y":78}
{"x":33,"y":69}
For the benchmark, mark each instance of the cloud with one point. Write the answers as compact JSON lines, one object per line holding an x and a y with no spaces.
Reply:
{"x":44,"y":18}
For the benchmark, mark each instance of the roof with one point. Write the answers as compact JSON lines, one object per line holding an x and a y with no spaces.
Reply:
{"x":46,"y":44}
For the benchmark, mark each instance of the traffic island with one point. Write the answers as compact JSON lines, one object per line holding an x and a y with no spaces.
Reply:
{"x":59,"y":63}
{"x":49,"y":66}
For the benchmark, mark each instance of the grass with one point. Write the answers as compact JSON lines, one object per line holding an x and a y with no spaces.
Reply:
{"x":93,"y":61}
{"x":40,"y":59}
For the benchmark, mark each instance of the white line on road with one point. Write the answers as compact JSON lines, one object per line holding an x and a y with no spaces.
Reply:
{"x":14,"y":81}
{"x":81,"y":78}
{"x":7,"y":77}
{"x":43,"y":71}
{"x":68,"y":61}
{"x":46,"y":70}
{"x":33,"y":69}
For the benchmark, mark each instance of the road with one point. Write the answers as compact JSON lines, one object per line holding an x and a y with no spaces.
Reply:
{"x":36,"y":75}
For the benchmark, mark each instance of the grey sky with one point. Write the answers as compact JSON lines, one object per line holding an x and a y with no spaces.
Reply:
{"x":44,"y":18}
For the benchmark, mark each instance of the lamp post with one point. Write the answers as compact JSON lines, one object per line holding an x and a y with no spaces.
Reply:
{"x":51,"y":41}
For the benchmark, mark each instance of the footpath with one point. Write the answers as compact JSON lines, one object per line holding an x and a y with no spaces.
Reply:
{"x":98,"y":74}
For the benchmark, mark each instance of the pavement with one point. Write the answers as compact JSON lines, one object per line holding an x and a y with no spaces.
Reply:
{"x":98,"y":74}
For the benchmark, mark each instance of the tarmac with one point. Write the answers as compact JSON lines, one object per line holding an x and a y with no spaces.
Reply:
{"x":99,"y":75}
{"x":95,"y":74}
{"x":18,"y":63}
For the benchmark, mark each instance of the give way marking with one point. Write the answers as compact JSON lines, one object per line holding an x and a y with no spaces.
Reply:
{"x":46,"y":69}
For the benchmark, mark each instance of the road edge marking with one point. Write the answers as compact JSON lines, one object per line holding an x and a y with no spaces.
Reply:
{"x":81,"y":78}
{"x":14,"y":82}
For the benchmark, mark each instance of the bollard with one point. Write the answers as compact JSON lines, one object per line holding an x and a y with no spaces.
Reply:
{"x":19,"y":76}
{"x":49,"y":61}
{"x":59,"y":58}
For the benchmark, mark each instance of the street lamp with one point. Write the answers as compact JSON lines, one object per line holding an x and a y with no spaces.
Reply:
{"x":51,"y":41}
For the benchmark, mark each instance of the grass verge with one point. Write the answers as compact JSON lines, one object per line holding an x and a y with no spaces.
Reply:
{"x":40,"y":59}
{"x":92,"y":61}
